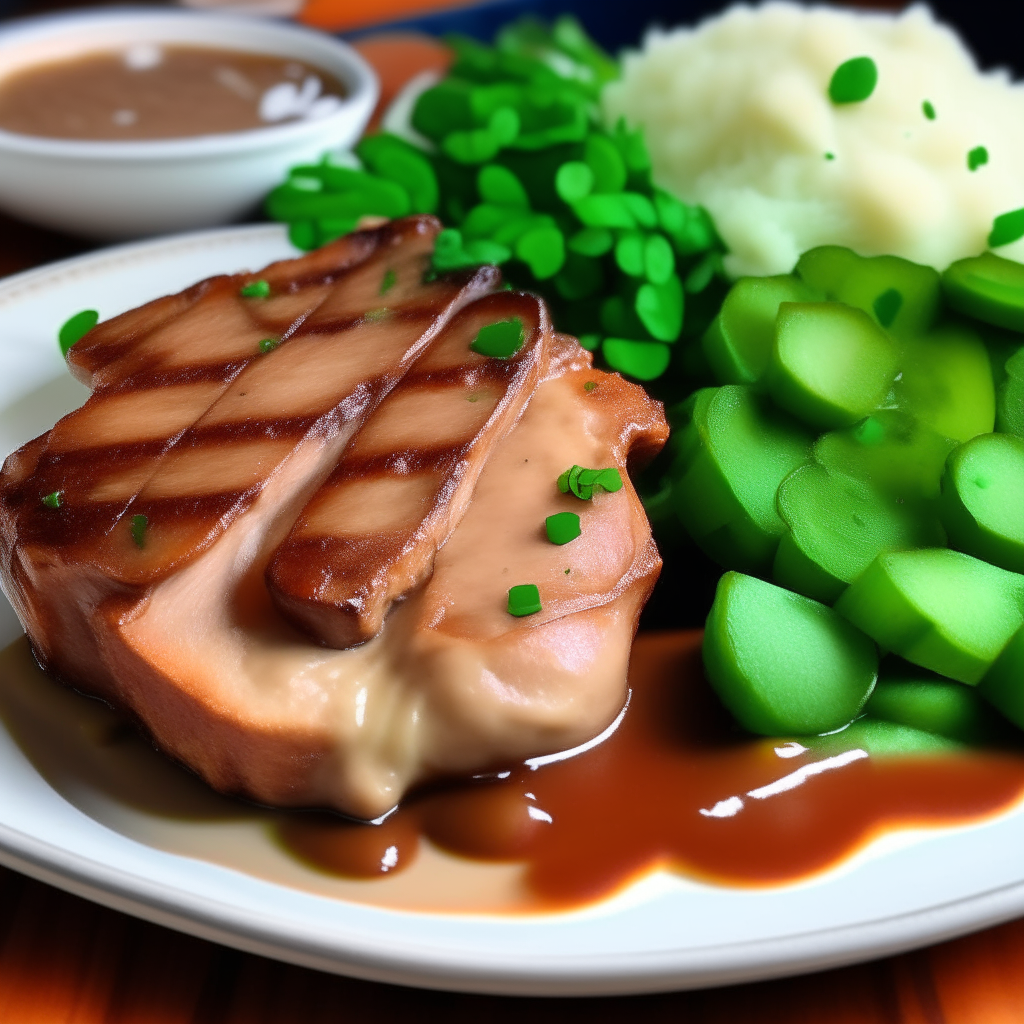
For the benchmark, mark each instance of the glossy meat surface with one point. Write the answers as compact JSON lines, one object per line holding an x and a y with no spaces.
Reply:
{"x":290,"y":562}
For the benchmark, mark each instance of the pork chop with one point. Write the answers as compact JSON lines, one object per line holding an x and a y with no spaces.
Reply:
{"x":291,"y":565}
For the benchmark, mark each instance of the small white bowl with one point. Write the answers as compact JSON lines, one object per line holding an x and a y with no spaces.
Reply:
{"x":114,"y":190}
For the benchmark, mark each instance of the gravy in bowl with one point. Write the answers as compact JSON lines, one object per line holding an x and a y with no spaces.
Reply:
{"x":148,"y":91}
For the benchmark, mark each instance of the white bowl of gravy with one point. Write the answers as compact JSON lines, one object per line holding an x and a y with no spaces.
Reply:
{"x":125,"y":123}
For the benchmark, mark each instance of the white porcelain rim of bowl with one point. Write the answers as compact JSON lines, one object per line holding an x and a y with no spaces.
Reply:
{"x":358,"y":76}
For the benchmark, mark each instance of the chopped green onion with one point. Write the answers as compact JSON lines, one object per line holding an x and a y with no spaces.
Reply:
{"x":830,"y":156}
{"x":524,"y":600}
{"x":562,"y":527}
{"x":52,"y":500}
{"x":75,"y":328}
{"x":853,"y":81}
{"x":390,"y":277}
{"x":583,"y":482}
{"x":375,"y":316}
{"x":269,"y":344}
{"x":501,"y":340}
{"x":590,"y":385}
{"x":1007,"y":228}
{"x":255,"y":290}
{"x":139,"y":526}
{"x":976,"y":158}
{"x":929,"y":110}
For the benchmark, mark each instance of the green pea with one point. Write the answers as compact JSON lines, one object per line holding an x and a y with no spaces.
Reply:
{"x":660,"y":308}
{"x":659,"y":260}
{"x":574,"y":181}
{"x":783,"y":664}
{"x":604,"y":160}
{"x":542,"y":249}
{"x":629,"y":253}
{"x":604,"y":211}
{"x":644,"y":360}
{"x":500,"y":187}
{"x":591,"y":242}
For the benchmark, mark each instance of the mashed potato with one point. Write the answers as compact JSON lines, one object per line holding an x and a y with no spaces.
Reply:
{"x":738,"y":118}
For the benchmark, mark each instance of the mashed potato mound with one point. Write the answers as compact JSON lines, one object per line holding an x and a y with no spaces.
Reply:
{"x":738,"y":118}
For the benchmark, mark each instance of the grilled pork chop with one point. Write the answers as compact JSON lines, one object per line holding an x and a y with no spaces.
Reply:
{"x":290,"y":560}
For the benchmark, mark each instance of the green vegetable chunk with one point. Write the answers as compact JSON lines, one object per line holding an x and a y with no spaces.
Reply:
{"x":837,"y":526}
{"x":853,"y":81}
{"x":524,"y":600}
{"x":782,"y":663}
{"x":901,"y":296}
{"x":886,"y":739}
{"x":937,"y":706}
{"x":946,"y":382}
{"x":500,"y":340}
{"x":1010,"y":397}
{"x":562,"y":527}
{"x":891,"y":450}
{"x":831,"y":365}
{"x":1003,"y":684}
{"x":733,"y":453}
{"x":52,"y":500}
{"x":255,"y":290}
{"x":75,"y":328}
{"x":989,"y":288}
{"x":937,"y":608}
{"x":983,"y":499}
{"x":738,"y":344}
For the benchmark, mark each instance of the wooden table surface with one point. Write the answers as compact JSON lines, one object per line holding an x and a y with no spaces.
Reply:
{"x":64,"y":960}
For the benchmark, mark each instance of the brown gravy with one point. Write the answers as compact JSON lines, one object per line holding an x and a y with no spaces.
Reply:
{"x":588,"y":825}
{"x":557,"y":835}
{"x":163,"y":92}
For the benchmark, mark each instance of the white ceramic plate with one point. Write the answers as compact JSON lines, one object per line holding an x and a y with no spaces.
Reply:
{"x":910,"y":888}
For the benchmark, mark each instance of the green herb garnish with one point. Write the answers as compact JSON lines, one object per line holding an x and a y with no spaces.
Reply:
{"x":853,"y":81}
{"x":75,"y":328}
{"x":375,"y":316}
{"x":139,"y":527}
{"x":390,"y":278}
{"x":590,"y":385}
{"x":929,"y":110}
{"x":1007,"y":228}
{"x":52,"y":500}
{"x":976,"y":158}
{"x":501,"y":340}
{"x":269,"y":344}
{"x":255,"y":290}
{"x":524,"y":600}
{"x":583,"y":482}
{"x":562,"y":527}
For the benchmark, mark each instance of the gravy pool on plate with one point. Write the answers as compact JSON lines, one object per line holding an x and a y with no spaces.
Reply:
{"x":163,"y":92}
